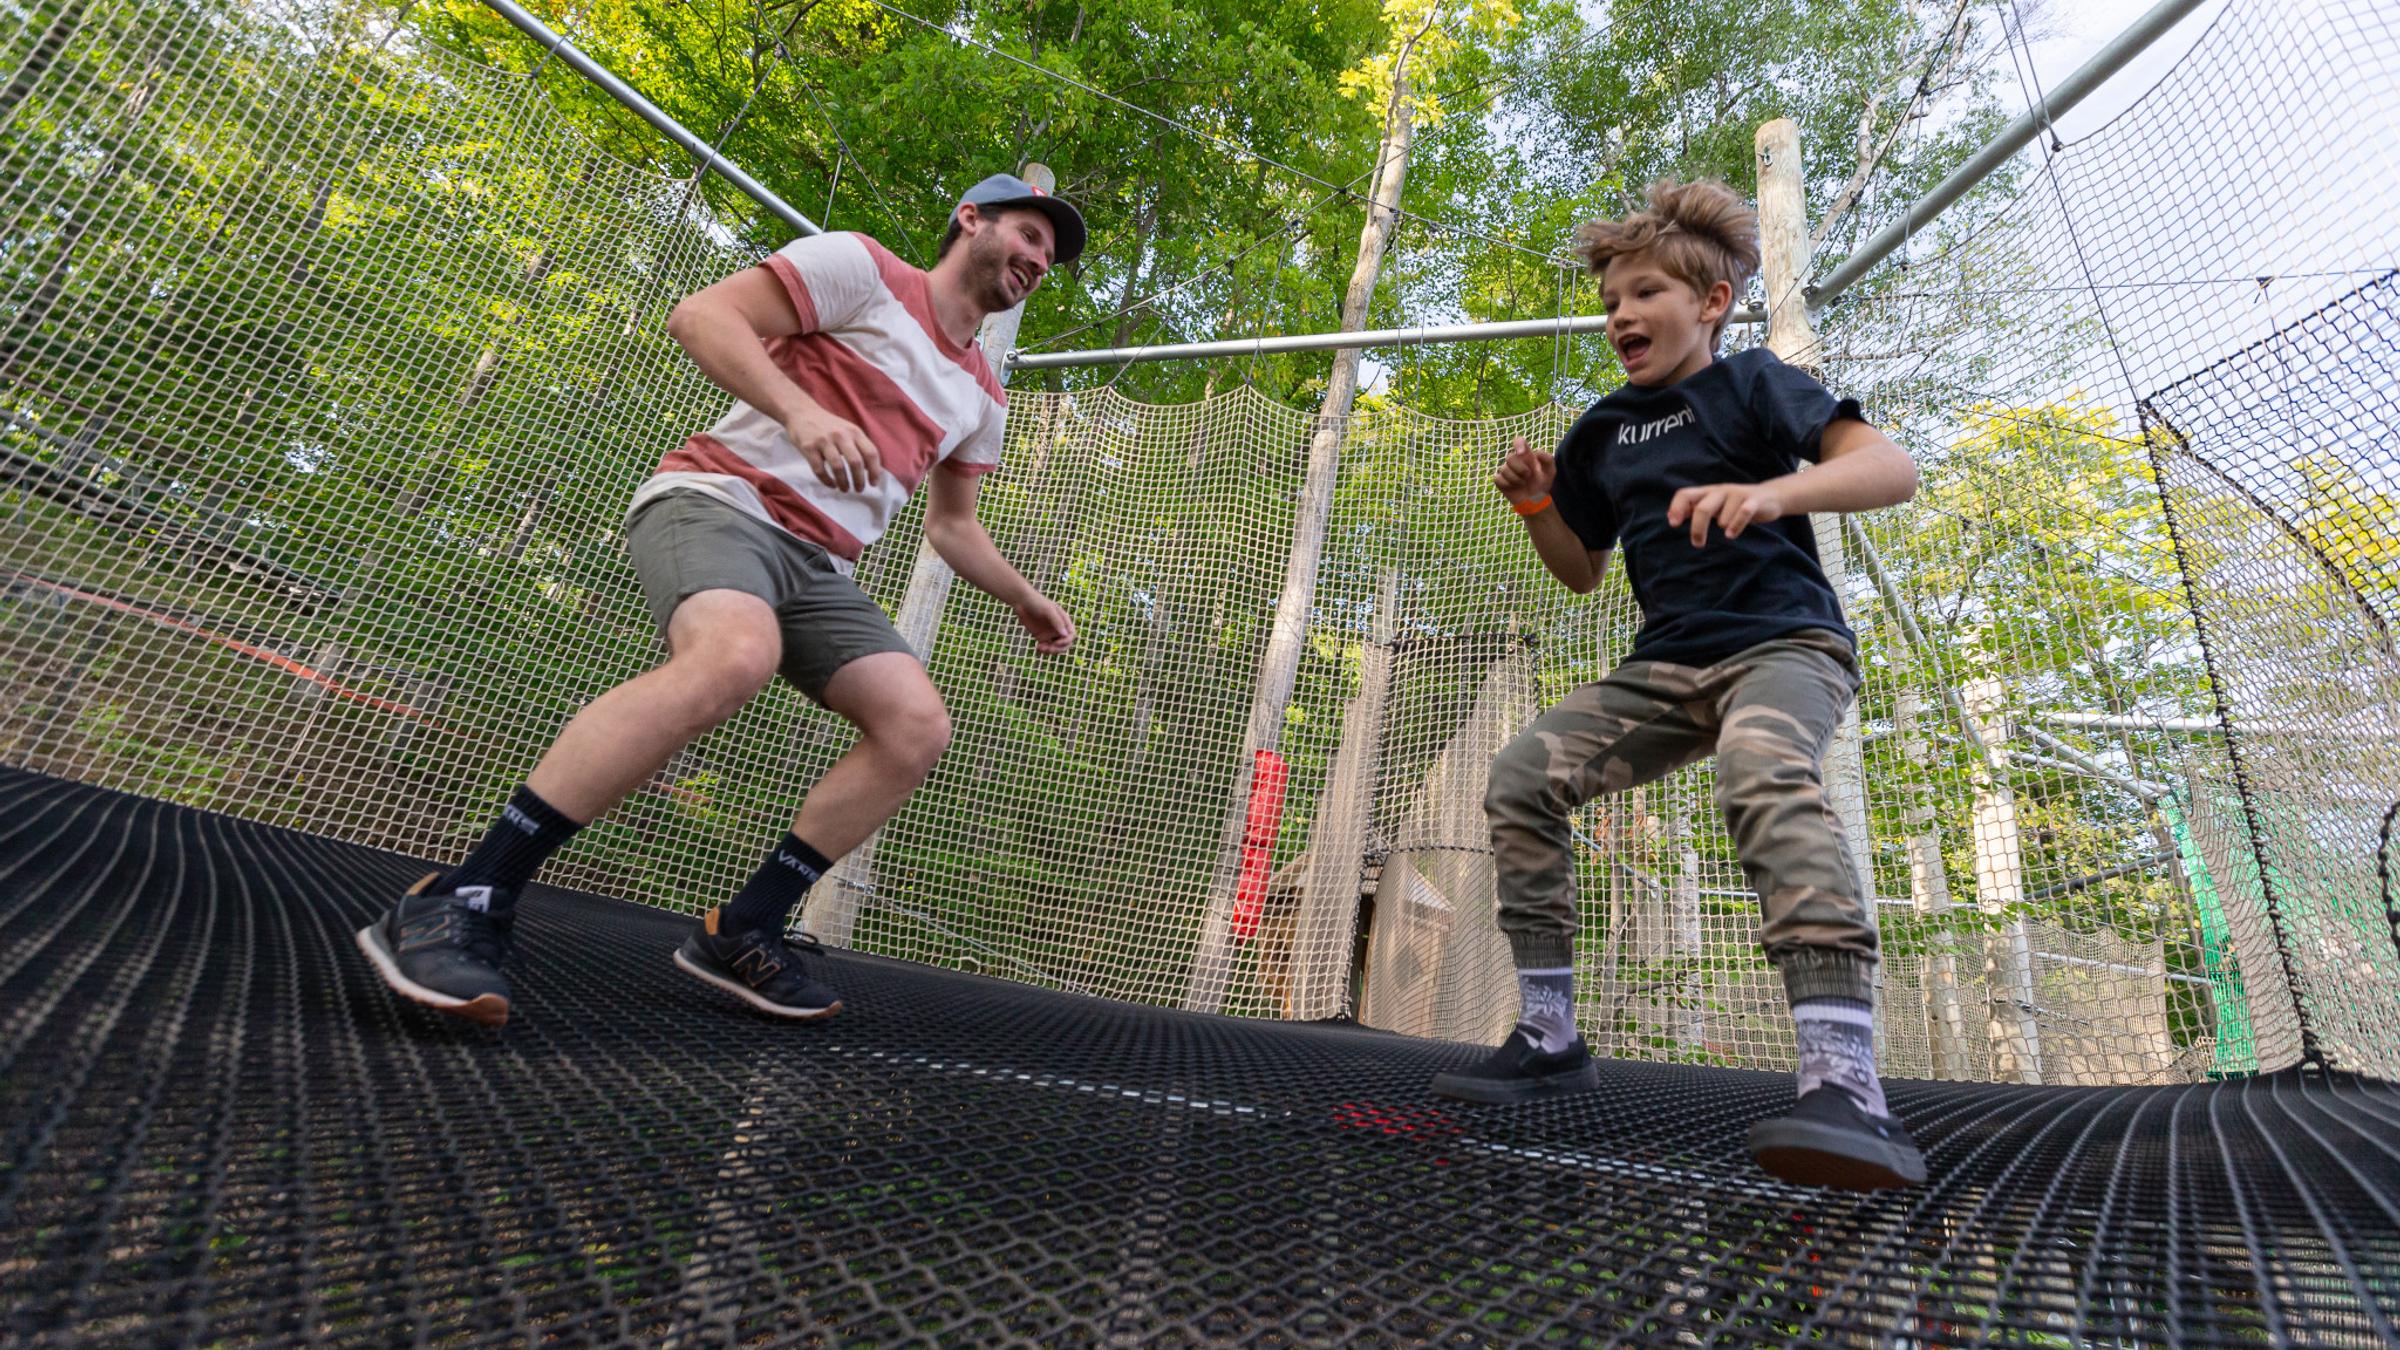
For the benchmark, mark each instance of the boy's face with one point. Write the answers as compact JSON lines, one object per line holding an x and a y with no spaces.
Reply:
{"x":1662,"y":329}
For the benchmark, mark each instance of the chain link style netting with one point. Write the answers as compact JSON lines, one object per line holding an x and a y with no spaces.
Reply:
{"x":330,"y":362}
{"x":217,"y":1127}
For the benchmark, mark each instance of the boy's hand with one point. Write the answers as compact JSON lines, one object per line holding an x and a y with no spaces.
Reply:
{"x":1733,"y":507}
{"x":1525,"y":474}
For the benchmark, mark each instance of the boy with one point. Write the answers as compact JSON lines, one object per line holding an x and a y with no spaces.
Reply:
{"x":855,"y":378}
{"x":1694,"y":466}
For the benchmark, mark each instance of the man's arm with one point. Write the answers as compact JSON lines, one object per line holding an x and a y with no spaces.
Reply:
{"x":1858,"y":469}
{"x":962,"y":542}
{"x":725,"y":329}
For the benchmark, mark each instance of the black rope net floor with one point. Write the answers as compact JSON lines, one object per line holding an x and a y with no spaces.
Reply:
{"x":218,"y":1127}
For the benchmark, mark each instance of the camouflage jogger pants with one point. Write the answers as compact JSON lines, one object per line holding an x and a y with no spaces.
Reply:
{"x":1768,"y":713}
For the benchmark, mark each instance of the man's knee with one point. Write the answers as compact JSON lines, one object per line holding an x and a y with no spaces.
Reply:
{"x":724,"y":652}
{"x":914,"y":734}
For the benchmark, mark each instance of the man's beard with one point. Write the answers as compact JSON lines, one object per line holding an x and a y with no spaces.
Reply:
{"x":991,"y":274}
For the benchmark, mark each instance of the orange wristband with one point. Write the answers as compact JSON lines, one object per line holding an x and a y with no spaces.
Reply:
{"x":1530,"y":508}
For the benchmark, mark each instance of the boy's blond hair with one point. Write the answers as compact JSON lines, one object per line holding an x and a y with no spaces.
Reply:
{"x":1698,"y":233}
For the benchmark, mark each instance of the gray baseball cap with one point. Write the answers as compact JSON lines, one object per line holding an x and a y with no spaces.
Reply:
{"x":1006,"y":189}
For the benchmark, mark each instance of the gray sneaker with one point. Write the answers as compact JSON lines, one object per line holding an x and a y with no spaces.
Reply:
{"x":759,"y":968}
{"x":443,"y":951}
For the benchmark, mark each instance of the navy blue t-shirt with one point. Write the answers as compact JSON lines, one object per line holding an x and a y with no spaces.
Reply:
{"x":1745,"y":418}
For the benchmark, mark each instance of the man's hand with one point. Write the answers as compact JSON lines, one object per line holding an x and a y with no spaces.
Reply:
{"x":1525,"y":474}
{"x":837,"y":449}
{"x":1053,"y":632}
{"x":1732,"y":507}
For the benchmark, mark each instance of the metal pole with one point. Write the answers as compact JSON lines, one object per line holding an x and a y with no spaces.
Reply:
{"x":649,"y":112}
{"x":2012,"y":138}
{"x":1318,"y":342}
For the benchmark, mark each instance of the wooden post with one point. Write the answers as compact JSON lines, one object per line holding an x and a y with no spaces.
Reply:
{"x":832,"y":908}
{"x":1929,"y":886}
{"x":1691,"y":1022}
{"x":1329,"y":892}
{"x":1287,"y":637}
{"x":1783,"y":256}
{"x":2000,"y":894}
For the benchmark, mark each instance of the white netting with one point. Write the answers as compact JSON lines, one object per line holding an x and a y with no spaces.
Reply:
{"x":328,"y":367}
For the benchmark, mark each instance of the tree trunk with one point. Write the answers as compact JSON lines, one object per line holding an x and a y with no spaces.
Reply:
{"x":23,"y":331}
{"x":1280,"y":666}
{"x":1144,"y":223}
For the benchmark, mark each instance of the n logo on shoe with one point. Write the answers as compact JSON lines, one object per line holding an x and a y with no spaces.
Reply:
{"x":424,"y":931}
{"x":755,"y":966}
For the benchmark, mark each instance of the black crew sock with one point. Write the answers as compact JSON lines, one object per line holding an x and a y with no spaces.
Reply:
{"x":528,"y":831}
{"x":766,"y":900}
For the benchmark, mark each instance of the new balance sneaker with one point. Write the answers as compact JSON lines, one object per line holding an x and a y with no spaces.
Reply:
{"x":444,"y":951}
{"x":1518,"y":1071}
{"x":759,"y":968}
{"x":1830,"y":1140}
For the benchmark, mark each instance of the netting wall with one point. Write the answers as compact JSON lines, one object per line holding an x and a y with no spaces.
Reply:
{"x":328,"y":363}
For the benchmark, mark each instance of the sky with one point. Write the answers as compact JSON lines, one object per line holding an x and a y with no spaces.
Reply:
{"x":2067,"y":33}
{"x":2077,"y":30}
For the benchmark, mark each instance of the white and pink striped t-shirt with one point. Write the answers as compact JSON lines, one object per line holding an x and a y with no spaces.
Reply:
{"x":869,"y":350}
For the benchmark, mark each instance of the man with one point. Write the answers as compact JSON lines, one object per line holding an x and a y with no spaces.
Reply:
{"x":856,"y":377}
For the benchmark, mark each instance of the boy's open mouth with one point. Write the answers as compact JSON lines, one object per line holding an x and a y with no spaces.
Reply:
{"x":1630,"y":349}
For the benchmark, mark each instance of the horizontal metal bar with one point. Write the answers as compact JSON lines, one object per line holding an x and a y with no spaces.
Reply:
{"x":2012,"y":138}
{"x":2088,"y":880}
{"x":1318,"y":342}
{"x":2202,"y":726}
{"x":649,"y":112}
{"x":2107,"y":722}
{"x":2118,"y":967}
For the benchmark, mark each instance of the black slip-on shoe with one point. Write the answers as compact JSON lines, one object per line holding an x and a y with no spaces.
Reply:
{"x":1517,"y":1071}
{"x":1830,"y":1140}
{"x":444,"y":952}
{"x":759,"y":968}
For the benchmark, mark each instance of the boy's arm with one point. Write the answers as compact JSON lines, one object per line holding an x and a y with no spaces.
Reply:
{"x":962,"y":542}
{"x":1577,"y":568}
{"x":1526,"y":476}
{"x":1858,"y":469}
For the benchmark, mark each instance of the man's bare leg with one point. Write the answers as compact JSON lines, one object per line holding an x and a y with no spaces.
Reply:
{"x":903,"y":729}
{"x":724,"y":647}
{"x":444,"y":943}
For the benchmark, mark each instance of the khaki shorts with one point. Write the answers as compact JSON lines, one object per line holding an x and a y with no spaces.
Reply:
{"x":687,"y":542}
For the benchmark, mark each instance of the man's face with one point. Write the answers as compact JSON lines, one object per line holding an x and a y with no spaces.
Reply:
{"x":1008,"y":254}
{"x":1662,"y":329}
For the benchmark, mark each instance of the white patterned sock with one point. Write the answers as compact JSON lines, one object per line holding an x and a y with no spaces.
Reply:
{"x":1546,"y":1000}
{"x":1837,"y":1046}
